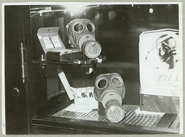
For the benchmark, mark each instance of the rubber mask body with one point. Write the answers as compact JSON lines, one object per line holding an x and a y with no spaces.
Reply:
{"x":81,"y":34}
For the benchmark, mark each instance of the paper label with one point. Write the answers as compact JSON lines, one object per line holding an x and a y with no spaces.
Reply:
{"x":56,"y":42}
{"x":48,"y":43}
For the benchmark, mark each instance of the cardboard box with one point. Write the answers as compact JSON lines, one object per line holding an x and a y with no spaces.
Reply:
{"x":160,"y":70}
{"x":83,"y":97}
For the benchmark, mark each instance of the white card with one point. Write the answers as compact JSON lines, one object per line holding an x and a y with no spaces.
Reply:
{"x":47,"y":42}
{"x":56,"y":41}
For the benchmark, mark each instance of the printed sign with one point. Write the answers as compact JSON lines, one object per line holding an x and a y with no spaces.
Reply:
{"x":160,"y":63}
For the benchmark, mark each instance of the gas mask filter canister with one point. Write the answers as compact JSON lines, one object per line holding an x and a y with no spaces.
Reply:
{"x":81,"y":34}
{"x":110,"y":90}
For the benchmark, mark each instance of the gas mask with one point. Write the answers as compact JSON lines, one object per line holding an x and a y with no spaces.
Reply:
{"x":81,"y":34}
{"x":110,"y":90}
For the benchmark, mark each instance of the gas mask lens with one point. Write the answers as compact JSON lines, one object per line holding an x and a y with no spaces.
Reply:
{"x":117,"y":82}
{"x":102,"y":83}
{"x":78,"y":28}
{"x":90,"y":27}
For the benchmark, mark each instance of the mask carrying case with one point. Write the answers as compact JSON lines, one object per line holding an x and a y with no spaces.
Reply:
{"x":53,"y":46}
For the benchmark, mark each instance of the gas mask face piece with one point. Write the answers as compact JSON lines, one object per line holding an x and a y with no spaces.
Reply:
{"x":110,"y":90}
{"x":81,"y":34}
